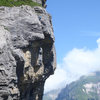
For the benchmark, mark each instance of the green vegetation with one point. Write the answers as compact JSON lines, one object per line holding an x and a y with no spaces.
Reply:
{"x":11,"y":3}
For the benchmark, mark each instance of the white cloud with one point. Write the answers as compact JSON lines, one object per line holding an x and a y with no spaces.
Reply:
{"x":76,"y":63}
{"x":56,"y":80}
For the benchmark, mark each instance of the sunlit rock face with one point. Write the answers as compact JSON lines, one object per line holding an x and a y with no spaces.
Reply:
{"x":41,"y":2}
{"x":27,"y":52}
{"x":38,"y":1}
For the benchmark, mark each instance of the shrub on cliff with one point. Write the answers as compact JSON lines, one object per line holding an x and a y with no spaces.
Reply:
{"x":11,"y":3}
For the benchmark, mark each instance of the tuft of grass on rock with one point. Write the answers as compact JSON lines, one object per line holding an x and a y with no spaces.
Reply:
{"x":11,"y":3}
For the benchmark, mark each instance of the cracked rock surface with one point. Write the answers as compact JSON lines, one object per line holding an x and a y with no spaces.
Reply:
{"x":27,"y":52}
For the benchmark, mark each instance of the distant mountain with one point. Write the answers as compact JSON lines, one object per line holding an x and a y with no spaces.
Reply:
{"x":52,"y":95}
{"x":86,"y":88}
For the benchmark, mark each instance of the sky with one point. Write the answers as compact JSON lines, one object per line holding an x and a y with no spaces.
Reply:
{"x":76,"y":26}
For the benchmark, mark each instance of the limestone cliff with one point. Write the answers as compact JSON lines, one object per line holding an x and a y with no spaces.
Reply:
{"x":27,"y":53}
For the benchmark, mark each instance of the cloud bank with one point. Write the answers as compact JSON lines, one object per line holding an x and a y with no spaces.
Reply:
{"x":76,"y":63}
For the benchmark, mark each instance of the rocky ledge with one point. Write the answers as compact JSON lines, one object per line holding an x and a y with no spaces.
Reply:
{"x":27,"y":52}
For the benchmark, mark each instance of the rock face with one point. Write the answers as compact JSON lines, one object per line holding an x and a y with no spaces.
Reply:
{"x":27,"y":52}
{"x":41,"y":2}
{"x":38,"y":1}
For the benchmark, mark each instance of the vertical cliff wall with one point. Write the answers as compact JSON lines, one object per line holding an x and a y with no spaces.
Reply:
{"x":27,"y":52}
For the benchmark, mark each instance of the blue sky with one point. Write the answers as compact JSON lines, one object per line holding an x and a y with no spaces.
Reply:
{"x":76,"y":24}
{"x":77,"y":39}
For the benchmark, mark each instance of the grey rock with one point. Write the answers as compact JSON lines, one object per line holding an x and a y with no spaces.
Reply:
{"x":38,"y":1}
{"x":27,"y":52}
{"x":43,"y":2}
